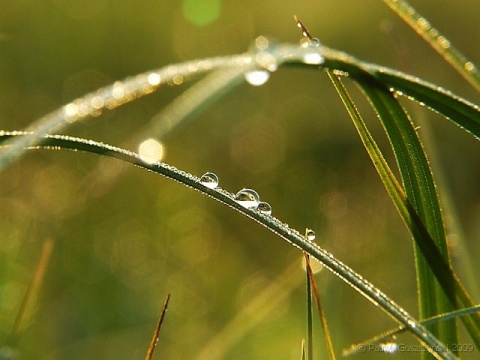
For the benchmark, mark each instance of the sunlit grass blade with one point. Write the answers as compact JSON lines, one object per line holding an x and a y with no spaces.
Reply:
{"x":192,"y":101}
{"x":436,"y":40}
{"x":454,"y":108}
{"x":356,"y":348}
{"x":31,"y":296}
{"x":460,"y":111}
{"x":421,"y":192}
{"x":323,"y":317}
{"x":115,"y":95}
{"x":437,"y":263}
{"x":420,"y":189}
{"x":303,"y":356}
{"x":348,"y":275}
{"x":156,"y":332}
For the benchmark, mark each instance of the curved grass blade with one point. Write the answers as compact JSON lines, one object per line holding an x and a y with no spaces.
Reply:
{"x":460,"y":111}
{"x":420,"y":190}
{"x":115,"y":95}
{"x":436,"y":40}
{"x":355,"y":348}
{"x":364,"y":287}
{"x":435,"y":259}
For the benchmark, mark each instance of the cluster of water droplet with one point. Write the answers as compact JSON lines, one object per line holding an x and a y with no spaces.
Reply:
{"x":249,"y":199}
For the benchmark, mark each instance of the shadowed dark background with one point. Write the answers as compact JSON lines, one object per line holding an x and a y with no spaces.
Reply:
{"x":124,"y":238}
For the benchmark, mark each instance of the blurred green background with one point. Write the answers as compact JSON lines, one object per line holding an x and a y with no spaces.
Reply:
{"x":124,"y":238}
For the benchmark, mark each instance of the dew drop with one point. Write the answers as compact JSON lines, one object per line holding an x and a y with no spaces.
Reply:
{"x":264,"y":208}
{"x":313,"y":58}
{"x":209,"y":180}
{"x":310,"y":235}
{"x":257,"y":77}
{"x":469,"y":66}
{"x":248,"y":198}
{"x":264,"y":59}
{"x":389,"y":347}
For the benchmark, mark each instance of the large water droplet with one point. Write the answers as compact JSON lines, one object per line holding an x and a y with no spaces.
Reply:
{"x":264,"y":208}
{"x":209,"y":180}
{"x":310,"y":235}
{"x":248,"y":198}
{"x":257,"y":77}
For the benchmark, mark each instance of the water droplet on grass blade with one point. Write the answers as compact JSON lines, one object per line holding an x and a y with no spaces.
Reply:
{"x":313,"y":58}
{"x":209,"y":180}
{"x":389,"y":347}
{"x":248,"y":198}
{"x":264,"y":208}
{"x":257,"y":77}
{"x":310,"y":235}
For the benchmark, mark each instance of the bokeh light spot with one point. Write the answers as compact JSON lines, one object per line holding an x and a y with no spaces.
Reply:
{"x":201,"y":12}
{"x":151,"y":151}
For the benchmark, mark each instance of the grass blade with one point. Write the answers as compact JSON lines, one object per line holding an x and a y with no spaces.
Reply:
{"x":309,"y":309}
{"x":156,"y":333}
{"x":323,"y":317}
{"x":442,"y":270}
{"x":348,"y":275}
{"x":355,"y":348}
{"x":421,"y":192}
{"x":436,"y":40}
{"x":31,"y":295}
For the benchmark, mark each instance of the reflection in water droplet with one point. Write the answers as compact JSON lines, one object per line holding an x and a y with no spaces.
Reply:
{"x":209,"y":180}
{"x":257,"y":77}
{"x":264,"y":208}
{"x":310,"y":235}
{"x":248,"y":198}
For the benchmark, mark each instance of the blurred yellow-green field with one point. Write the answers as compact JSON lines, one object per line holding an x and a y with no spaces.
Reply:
{"x":125,"y":238}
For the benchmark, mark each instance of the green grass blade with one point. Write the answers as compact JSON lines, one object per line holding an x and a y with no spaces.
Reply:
{"x":358,"y":282}
{"x":355,"y":348}
{"x":460,"y":111}
{"x":420,"y":190}
{"x":442,"y":270}
{"x":454,"y":108}
{"x":436,"y":40}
